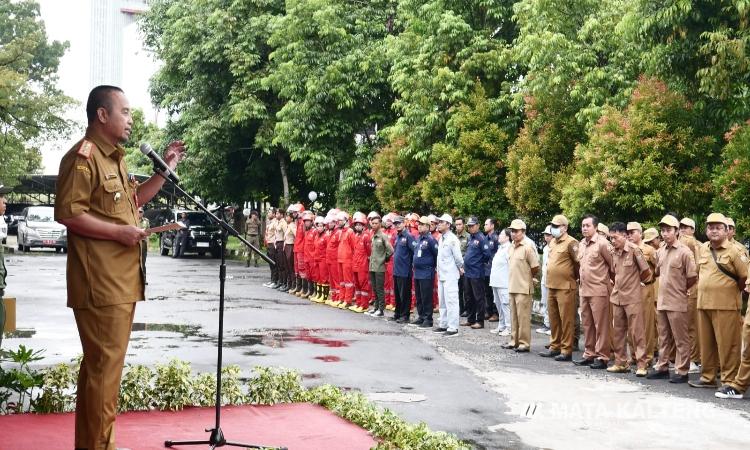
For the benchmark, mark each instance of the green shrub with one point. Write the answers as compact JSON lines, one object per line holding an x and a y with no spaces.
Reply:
{"x":173,"y":386}
{"x":56,"y":390}
{"x":136,"y":389}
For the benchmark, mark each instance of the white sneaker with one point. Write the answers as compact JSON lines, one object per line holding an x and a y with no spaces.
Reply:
{"x":694,"y":368}
{"x":548,"y":332}
{"x":505,"y":332}
{"x":496,"y":330}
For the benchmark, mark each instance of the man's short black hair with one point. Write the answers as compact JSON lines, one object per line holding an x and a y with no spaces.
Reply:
{"x":493,"y":221}
{"x":593,"y":218}
{"x":100,"y":97}
{"x":458,"y":218}
{"x":618,"y":227}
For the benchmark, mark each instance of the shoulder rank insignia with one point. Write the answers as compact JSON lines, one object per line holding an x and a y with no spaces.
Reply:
{"x":86,"y":148}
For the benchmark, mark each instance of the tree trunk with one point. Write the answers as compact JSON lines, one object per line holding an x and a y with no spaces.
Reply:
{"x":284,"y":178}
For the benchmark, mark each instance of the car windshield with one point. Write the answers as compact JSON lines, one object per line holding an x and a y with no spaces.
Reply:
{"x":196,"y":219}
{"x":41,"y":215}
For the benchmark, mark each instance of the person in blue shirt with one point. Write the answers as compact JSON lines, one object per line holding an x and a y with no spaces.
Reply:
{"x":477,"y":254}
{"x":403,"y":255}
{"x":425,"y":249}
{"x":491,"y":237}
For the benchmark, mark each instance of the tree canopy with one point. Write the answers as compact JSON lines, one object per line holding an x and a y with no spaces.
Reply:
{"x":31,"y":106}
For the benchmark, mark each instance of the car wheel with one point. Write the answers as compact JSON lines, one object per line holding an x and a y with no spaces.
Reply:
{"x":58,"y":249}
{"x":164,"y":250}
{"x":202,"y":253}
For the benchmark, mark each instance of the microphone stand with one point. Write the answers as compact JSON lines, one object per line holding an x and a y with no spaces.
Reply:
{"x":216,"y":438}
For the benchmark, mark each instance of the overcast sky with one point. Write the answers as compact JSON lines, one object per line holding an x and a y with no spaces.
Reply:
{"x":70,"y":20}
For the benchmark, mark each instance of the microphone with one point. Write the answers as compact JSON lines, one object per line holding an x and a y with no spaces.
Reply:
{"x":159,"y":165}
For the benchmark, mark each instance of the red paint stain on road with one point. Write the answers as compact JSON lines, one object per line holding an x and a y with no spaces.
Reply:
{"x":328,"y":358}
{"x":304,"y":335}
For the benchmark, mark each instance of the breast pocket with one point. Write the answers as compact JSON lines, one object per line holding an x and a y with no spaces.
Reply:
{"x":114,"y":200}
{"x":675,"y":264}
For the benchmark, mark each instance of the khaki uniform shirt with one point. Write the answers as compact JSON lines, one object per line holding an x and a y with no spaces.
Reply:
{"x":675,"y":264}
{"x":280,"y":230}
{"x":562,"y":262}
{"x":595,"y":257}
{"x":270,"y":231}
{"x":741,"y":247}
{"x":93,"y":180}
{"x":380,"y":251}
{"x":522,"y":259}
{"x":627,"y":264}
{"x":290,"y":233}
{"x":716,"y":290}
{"x":252,"y":226}
{"x":463,"y":240}
{"x":648,"y":288}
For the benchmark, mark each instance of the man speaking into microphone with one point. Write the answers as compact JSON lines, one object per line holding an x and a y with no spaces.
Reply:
{"x":99,"y":206}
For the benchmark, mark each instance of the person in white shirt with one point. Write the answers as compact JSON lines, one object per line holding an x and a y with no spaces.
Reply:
{"x":499,"y":277}
{"x":543,"y":303}
{"x":450,"y":267}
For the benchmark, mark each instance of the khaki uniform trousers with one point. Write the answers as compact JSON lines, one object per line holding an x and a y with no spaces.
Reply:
{"x":673,"y":339}
{"x":742,"y":380}
{"x":104,"y":333}
{"x":595,"y":317}
{"x":695,"y":345}
{"x":628,"y":321}
{"x":520,"y":320}
{"x":561,"y":307}
{"x":720,"y":332}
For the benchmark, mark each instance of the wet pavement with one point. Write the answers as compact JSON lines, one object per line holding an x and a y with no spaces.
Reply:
{"x":466,"y":385}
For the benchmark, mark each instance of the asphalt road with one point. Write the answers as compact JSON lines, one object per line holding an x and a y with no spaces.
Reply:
{"x":465,"y":385}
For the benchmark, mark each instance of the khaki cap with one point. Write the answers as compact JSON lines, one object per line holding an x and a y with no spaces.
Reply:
{"x":559,"y":220}
{"x":730,"y":222}
{"x":517,"y":224}
{"x":603,"y":228}
{"x":650,"y":234}
{"x":634,"y":226}
{"x":688,"y":222}
{"x":424,"y":220}
{"x":670,"y":221}
{"x":446,"y":218}
{"x":716,"y":218}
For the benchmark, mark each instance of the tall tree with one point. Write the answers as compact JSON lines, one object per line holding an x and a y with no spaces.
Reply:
{"x":215,"y":55}
{"x":31,"y":106}
{"x":643,"y":161}
{"x":330,"y":70}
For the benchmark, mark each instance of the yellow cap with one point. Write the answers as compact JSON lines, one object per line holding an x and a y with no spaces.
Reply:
{"x":559,"y":220}
{"x":716,"y":218}
{"x":688,"y":222}
{"x":634,"y":226}
{"x":670,"y":221}
{"x":517,"y":224}
{"x":730,"y":222}
{"x":602,"y":228}
{"x":650,"y":234}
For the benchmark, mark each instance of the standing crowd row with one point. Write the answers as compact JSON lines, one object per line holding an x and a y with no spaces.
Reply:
{"x":647,"y":299}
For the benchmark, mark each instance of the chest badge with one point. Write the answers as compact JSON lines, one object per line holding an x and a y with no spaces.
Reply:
{"x":118,"y":196}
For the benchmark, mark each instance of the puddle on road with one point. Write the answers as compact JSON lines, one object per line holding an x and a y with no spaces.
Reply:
{"x":185,"y":330}
{"x":279,"y":339}
{"x":21,"y":333}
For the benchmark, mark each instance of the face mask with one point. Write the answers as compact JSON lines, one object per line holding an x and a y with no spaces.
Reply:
{"x":556,"y":233}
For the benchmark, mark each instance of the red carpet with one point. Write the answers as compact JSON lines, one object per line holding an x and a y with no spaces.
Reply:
{"x":296,"y":426}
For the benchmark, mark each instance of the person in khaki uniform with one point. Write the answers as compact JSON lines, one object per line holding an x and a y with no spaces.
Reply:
{"x":562,"y":273}
{"x":730,"y":237}
{"x":630,"y":268}
{"x":279,"y":233}
{"x":524,"y":265}
{"x":722,"y":272}
{"x":736,"y":388}
{"x":595,"y":258}
{"x":104,"y":273}
{"x":648,"y":290}
{"x":675,"y":266}
{"x":252,"y":232}
{"x":687,"y":231}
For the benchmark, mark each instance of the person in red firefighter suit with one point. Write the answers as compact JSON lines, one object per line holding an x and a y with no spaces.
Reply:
{"x":345,"y":259}
{"x":319,"y":260}
{"x":299,"y":248}
{"x":308,"y":253}
{"x":435,"y":235}
{"x":390,"y":293}
{"x":361,"y":263}
{"x":332,"y":257}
